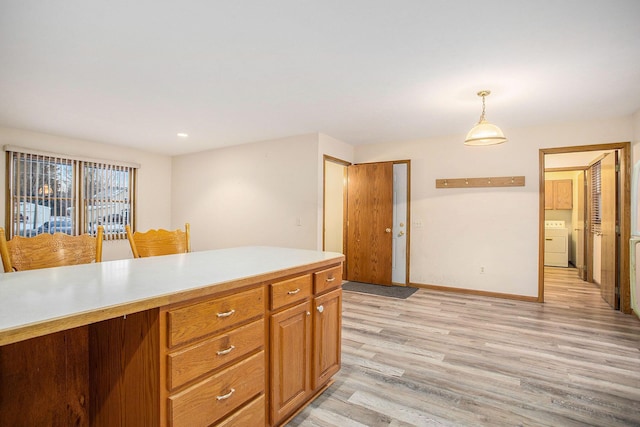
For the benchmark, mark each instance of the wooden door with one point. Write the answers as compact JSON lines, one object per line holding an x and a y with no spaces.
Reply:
{"x":609,"y":251}
{"x":290,"y":360}
{"x":580,"y":228}
{"x":326,"y":336}
{"x":369,"y":223}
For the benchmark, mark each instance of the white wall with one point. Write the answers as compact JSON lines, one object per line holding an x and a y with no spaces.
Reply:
{"x":457,"y":231}
{"x":255,"y":194}
{"x":154,"y":178}
{"x":262,"y":193}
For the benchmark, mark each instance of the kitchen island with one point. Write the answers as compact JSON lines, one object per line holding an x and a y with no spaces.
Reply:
{"x":222,"y":336}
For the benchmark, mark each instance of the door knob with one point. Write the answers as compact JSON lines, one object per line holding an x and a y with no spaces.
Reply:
{"x":401,"y":233}
{"x":388,"y":230}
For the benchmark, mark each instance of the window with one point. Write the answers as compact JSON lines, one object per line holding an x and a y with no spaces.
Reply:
{"x":596,"y":219}
{"x":51,"y":193}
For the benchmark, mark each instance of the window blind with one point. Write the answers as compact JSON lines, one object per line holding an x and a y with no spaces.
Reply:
{"x":596,"y":189}
{"x":41,"y":190}
{"x":51,"y":193}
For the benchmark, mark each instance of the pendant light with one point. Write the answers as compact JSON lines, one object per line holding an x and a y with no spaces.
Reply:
{"x":484,"y":133}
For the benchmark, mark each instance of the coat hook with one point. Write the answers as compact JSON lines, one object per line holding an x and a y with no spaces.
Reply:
{"x":489,"y":180}
{"x":512,"y":180}
{"x":466,"y":181}
{"x":445,"y":182}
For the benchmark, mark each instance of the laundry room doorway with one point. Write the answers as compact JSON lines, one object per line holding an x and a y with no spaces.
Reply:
{"x":586,"y":190}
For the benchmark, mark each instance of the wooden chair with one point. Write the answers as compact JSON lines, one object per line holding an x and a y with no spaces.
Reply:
{"x":61,"y":368}
{"x":49,"y":250}
{"x":159,"y":242}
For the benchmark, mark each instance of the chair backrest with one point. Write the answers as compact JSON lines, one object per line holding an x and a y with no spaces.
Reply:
{"x":49,"y":250}
{"x":159,"y":242}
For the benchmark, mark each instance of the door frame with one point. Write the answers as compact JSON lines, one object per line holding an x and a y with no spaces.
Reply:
{"x":624,"y":207}
{"x":326,"y":158}
{"x":407,"y":223}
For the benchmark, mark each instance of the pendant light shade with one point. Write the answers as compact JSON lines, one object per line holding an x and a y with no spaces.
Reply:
{"x":484,"y":133}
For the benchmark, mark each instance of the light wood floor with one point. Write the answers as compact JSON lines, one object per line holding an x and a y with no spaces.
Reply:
{"x":446,"y":359}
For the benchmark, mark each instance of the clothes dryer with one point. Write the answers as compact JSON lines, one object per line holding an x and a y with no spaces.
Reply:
{"x":556,"y":244}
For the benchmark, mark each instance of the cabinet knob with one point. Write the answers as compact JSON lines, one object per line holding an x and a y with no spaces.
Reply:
{"x":308,"y":313}
{"x":387,"y":230}
{"x":320,"y":308}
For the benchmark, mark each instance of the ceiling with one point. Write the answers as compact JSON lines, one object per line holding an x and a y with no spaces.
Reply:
{"x":135,"y":73}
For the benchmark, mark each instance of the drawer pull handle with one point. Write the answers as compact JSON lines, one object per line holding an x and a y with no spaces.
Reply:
{"x":226,"y":351}
{"x":227,"y":314}
{"x":226,"y":396}
{"x":548,"y":239}
{"x":330,"y":279}
{"x":294,"y":291}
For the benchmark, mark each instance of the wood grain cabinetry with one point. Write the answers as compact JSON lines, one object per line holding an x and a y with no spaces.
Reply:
{"x":305,"y":340}
{"x":215,"y":357}
{"x":290,"y":360}
{"x":558,"y":194}
{"x":326,"y":337}
{"x":215,"y":354}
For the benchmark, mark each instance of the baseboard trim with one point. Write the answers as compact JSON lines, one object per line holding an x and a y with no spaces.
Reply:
{"x":475,"y":292}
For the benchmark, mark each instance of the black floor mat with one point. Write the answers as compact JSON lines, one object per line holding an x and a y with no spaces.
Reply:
{"x":385,"y":291}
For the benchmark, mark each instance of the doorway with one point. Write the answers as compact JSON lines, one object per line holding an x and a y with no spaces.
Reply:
{"x":366,"y":217}
{"x":618,"y":221}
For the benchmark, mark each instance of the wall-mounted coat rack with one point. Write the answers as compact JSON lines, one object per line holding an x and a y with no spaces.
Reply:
{"x":494,"y":181}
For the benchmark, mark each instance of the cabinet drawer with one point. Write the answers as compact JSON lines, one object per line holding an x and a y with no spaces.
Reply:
{"x":214,"y":397}
{"x":290,"y":291}
{"x":251,"y":415}
{"x":198,"y":320}
{"x":327,"y":279}
{"x":197,"y":360}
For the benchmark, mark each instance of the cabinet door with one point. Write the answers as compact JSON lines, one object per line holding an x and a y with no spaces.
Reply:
{"x":327,"y":336}
{"x":290,"y":359}
{"x":548,"y":194}
{"x":563,"y":194}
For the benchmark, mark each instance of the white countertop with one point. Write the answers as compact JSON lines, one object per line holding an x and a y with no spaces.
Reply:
{"x":108,"y":289}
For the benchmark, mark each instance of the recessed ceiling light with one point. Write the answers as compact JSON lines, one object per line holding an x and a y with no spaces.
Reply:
{"x":183,"y":135}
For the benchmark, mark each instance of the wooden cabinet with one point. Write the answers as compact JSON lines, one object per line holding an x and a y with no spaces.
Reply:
{"x":215,"y":359}
{"x":290,"y":360}
{"x":327,"y":335}
{"x":558,"y":194}
{"x":231,"y":349}
{"x":305,"y":340}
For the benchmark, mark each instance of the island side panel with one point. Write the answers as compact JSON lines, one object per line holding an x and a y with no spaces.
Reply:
{"x":125,"y":371}
{"x":44,"y":381}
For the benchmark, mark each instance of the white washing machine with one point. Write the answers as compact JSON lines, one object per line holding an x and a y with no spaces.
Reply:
{"x":556,"y":244}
